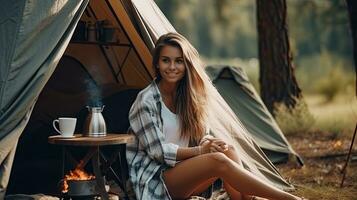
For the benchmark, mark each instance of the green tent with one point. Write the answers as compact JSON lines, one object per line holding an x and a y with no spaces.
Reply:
{"x":234,"y":86}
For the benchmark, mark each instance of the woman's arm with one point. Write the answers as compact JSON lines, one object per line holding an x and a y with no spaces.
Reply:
{"x":184,"y":153}
{"x":143,"y":122}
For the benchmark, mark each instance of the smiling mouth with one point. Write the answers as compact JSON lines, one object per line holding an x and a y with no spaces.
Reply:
{"x":171,"y":74}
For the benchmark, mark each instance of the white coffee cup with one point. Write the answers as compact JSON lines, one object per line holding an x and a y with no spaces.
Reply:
{"x":67,"y":126}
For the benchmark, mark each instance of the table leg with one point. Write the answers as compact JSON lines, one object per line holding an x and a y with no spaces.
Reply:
{"x":63,"y":161}
{"x":107,"y":167}
{"x":91,"y":152}
{"x":98,"y":175}
{"x":122,"y":174}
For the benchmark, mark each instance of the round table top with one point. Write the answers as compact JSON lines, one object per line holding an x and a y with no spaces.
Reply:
{"x":79,"y":140}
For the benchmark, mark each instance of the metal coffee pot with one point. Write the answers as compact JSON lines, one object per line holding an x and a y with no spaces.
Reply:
{"x":94,"y":125}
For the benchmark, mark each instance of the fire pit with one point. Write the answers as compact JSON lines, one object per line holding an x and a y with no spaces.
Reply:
{"x":79,"y":185}
{"x":82,"y":188}
{"x":76,"y":175}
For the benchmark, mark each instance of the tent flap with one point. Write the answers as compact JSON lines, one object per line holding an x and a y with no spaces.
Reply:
{"x":35,"y":35}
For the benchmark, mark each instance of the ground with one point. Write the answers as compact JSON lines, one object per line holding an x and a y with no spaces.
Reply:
{"x":324,"y":158}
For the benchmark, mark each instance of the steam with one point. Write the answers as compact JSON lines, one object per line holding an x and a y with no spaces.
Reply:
{"x":94,"y":94}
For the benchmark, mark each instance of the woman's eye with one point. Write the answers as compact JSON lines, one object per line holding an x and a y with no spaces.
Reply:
{"x":179,"y":61}
{"x":165,"y":60}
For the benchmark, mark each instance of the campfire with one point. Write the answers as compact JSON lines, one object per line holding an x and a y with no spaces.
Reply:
{"x":77,"y":174}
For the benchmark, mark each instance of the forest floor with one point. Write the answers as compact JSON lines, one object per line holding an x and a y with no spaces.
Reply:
{"x":324,"y":157}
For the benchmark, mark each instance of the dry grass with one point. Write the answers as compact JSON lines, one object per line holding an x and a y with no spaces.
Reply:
{"x":321,"y":175}
{"x":326,"y":193}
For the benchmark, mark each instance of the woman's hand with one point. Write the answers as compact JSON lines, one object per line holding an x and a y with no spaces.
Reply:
{"x":218,"y":145}
{"x":213,"y":145}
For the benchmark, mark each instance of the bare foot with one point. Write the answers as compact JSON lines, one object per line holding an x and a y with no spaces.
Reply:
{"x":261,"y":198}
{"x":249,"y":197}
{"x":258,"y":198}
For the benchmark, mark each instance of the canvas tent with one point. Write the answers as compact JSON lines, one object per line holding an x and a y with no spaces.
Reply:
{"x":234,"y":86}
{"x":40,"y":63}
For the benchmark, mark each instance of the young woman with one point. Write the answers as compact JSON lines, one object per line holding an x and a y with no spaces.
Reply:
{"x":173,"y":157}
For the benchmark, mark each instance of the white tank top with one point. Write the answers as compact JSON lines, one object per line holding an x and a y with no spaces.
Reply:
{"x":171,"y":125}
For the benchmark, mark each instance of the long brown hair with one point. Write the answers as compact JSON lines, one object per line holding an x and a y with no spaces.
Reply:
{"x":191,"y":95}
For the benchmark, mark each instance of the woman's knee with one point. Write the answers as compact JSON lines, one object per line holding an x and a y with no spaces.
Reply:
{"x":232,"y":154}
{"x":220,"y":161}
{"x":231,"y":148}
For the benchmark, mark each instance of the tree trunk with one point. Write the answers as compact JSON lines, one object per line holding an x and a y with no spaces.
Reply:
{"x":276,"y":76}
{"x":352,"y":13}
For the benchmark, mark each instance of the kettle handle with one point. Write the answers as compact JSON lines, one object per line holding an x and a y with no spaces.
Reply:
{"x":102,"y":108}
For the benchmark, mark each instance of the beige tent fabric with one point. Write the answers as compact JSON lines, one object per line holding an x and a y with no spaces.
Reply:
{"x":229,"y":128}
{"x":152,"y":20}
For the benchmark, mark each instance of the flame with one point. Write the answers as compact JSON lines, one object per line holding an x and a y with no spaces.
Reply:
{"x":76,"y":174}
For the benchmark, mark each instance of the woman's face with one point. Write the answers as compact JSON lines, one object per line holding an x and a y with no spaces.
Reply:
{"x":171,"y":64}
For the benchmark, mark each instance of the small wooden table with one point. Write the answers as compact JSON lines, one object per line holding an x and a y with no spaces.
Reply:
{"x":94,"y":154}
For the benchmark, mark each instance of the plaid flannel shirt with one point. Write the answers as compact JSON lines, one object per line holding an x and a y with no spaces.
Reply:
{"x":149,"y":155}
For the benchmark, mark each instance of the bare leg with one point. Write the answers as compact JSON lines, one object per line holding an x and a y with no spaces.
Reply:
{"x":185,"y":177}
{"x":234,"y":194}
{"x":201,"y":188}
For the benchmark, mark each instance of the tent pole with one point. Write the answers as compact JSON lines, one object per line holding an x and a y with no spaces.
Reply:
{"x":352,"y":15}
{"x":348,"y":157}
